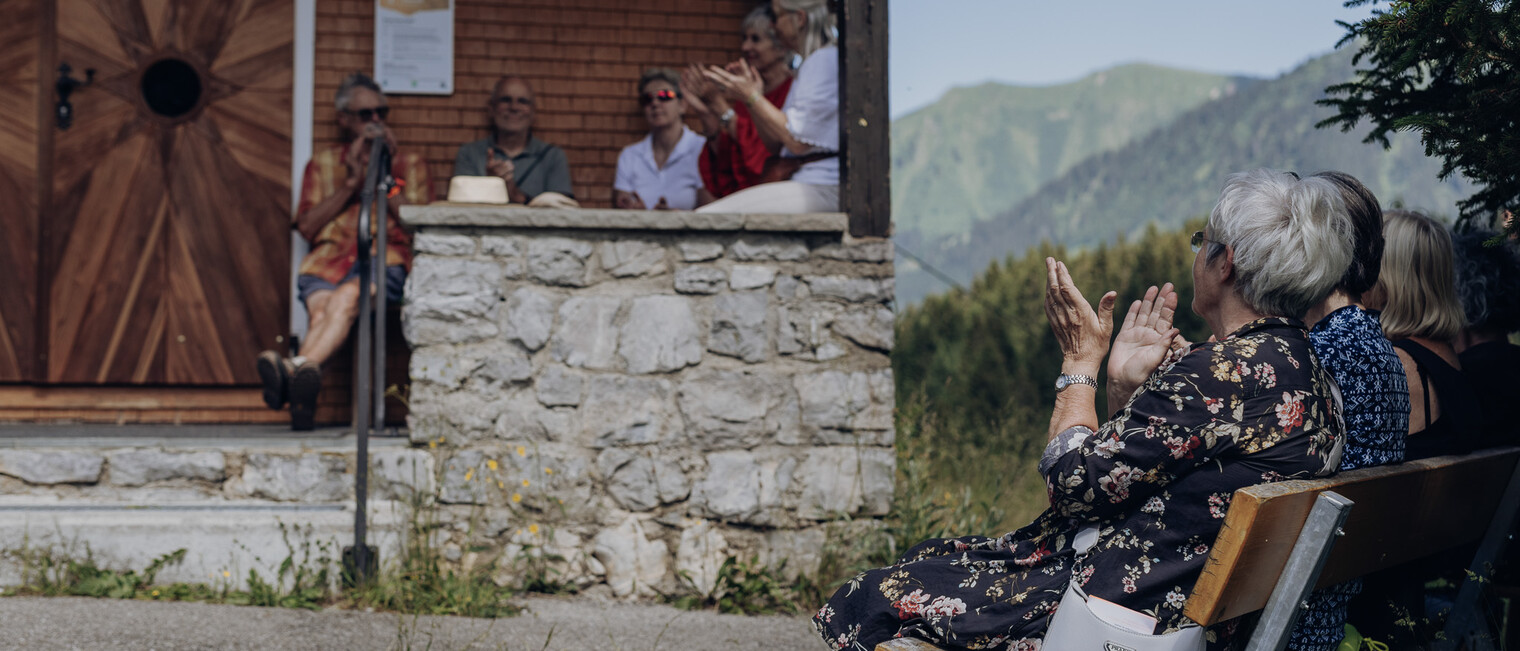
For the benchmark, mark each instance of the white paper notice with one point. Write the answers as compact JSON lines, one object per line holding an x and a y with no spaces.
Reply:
{"x":414,"y":46}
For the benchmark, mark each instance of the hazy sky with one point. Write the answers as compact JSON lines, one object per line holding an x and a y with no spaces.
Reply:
{"x":939,"y":44}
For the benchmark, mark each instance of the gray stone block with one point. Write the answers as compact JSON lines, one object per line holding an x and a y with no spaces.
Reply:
{"x":586,"y":337}
{"x":852,"y":250}
{"x":401,"y":474}
{"x":631,"y":482}
{"x":52,"y":466}
{"x":852,"y":289}
{"x":559,"y":387}
{"x":620,"y":410}
{"x":445,"y":366}
{"x":671,"y":480}
{"x":529,"y":317}
{"x":505,"y":364}
{"x":738,"y":326}
{"x":308,"y":477}
{"x":846,"y":481}
{"x":501,"y":246}
{"x":802,"y":329}
{"x":443,"y":244}
{"x":700,"y":280}
{"x":140,"y":466}
{"x":700,"y":555}
{"x":559,"y":261}
{"x":467,"y":479}
{"x":629,"y":258}
{"x":769,"y":247}
{"x":433,"y":275}
{"x":699,"y":250}
{"x":731,"y":489}
{"x":635,"y":565}
{"x":869,"y":326}
{"x":728,"y":409}
{"x":749,"y":276}
{"x":661,"y":335}
{"x":429,"y":319}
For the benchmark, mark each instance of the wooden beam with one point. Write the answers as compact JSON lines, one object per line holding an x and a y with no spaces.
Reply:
{"x":864,"y":122}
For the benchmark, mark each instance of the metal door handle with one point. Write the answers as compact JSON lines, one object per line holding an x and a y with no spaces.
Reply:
{"x":66,"y":86}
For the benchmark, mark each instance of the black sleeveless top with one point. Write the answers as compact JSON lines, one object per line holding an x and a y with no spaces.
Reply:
{"x":1461,"y":421}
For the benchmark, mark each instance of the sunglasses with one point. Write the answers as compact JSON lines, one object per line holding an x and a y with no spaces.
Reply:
{"x":1198,"y":240}
{"x":365,"y":115}
{"x":508,"y":101}
{"x":663,"y":96}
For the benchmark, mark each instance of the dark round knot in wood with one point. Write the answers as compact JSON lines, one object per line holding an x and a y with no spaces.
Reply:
{"x":171,"y":87}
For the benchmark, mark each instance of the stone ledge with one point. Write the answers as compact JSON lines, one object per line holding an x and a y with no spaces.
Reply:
{"x":491,"y":216}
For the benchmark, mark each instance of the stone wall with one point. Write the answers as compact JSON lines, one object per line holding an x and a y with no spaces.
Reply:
{"x":645,"y":394}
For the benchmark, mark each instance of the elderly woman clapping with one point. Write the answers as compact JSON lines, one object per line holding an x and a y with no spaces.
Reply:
{"x":1136,"y":502}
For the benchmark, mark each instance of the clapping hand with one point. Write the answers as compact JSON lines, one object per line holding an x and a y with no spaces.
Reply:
{"x":1082,"y":332}
{"x":738,"y":81}
{"x":501,"y":167}
{"x":1145,"y":339}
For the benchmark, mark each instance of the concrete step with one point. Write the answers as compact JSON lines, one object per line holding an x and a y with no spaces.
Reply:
{"x":125,"y":496}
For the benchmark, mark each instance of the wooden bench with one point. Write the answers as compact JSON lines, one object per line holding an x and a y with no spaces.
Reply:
{"x":1281,"y":541}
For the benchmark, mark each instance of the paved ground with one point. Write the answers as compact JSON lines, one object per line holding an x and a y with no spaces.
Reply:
{"x":549,"y":623}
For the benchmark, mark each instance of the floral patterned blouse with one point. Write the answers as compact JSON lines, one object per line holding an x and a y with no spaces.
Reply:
{"x":1155,"y":480}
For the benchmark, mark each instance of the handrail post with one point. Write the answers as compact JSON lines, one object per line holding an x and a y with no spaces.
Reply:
{"x":372,"y":194}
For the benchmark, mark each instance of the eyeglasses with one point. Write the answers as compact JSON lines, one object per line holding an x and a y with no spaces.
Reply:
{"x":1198,"y":240}
{"x":504,"y":101}
{"x":365,"y":115}
{"x":663,"y":95}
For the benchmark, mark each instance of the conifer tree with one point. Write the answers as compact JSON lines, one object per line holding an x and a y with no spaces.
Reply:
{"x":1449,"y":69}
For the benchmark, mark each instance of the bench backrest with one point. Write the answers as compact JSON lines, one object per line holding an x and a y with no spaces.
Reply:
{"x":1402,"y":512}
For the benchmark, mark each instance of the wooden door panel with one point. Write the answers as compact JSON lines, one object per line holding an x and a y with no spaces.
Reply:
{"x":19,"y":51}
{"x":169,"y":237}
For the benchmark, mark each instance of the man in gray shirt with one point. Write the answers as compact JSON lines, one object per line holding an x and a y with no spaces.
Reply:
{"x":529,"y":166}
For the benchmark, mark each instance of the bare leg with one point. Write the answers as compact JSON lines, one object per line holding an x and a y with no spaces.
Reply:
{"x":332,"y":314}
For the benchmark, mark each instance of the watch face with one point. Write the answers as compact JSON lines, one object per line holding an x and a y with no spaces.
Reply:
{"x":1062,"y":382}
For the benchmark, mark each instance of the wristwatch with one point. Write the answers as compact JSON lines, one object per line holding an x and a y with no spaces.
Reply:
{"x":728,"y":116}
{"x":1063,"y":381}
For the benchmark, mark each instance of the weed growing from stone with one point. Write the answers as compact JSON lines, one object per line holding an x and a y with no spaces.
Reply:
{"x":746,"y":587}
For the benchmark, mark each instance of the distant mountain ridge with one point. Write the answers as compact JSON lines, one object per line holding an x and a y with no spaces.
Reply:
{"x":980,"y":150}
{"x":1174,"y":173}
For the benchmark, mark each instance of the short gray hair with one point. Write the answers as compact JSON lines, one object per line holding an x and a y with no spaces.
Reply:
{"x":1292,"y":239}
{"x":761,"y":18}
{"x":819,"y":32}
{"x":346,"y":89}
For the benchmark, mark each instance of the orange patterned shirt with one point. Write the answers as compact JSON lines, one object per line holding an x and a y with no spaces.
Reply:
{"x":337,"y":244}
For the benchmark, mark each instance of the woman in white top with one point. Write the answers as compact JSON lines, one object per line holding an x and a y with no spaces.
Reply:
{"x":805,"y":130}
{"x":661,"y":172}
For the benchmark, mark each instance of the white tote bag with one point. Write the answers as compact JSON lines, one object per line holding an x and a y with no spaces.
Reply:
{"x":1075,"y":627}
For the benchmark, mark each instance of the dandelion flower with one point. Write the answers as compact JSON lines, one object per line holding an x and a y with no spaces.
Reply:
{"x":226,"y":574}
{"x":532,"y":528}
{"x":516,"y":497}
{"x":491,"y":463}
{"x":155,"y":592}
{"x":433,"y":444}
{"x":525,"y":483}
{"x":548,"y":471}
{"x":469,"y":474}
{"x":522,"y":451}
{"x":499,"y":484}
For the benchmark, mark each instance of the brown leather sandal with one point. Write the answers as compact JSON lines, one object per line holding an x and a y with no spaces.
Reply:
{"x":274,"y":372}
{"x":305,"y":383}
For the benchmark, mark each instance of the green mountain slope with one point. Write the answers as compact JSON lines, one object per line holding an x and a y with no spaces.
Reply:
{"x":978,"y":151}
{"x":1175,"y":173}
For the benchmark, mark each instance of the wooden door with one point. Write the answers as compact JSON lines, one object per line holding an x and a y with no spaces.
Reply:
{"x":18,"y":186}
{"x":165,"y":246}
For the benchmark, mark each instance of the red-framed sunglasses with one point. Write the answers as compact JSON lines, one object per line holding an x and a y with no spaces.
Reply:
{"x":662,"y":95}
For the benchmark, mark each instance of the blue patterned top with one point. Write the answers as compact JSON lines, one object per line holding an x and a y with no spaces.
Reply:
{"x":1350,"y":344}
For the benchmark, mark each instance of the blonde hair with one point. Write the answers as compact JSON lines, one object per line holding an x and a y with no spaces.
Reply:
{"x":1418,"y":279}
{"x":819,"y":32}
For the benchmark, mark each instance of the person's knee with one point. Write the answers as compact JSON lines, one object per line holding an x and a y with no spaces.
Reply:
{"x":345,"y":302}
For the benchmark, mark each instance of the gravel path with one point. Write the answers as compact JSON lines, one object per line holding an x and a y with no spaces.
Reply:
{"x":549,"y":623}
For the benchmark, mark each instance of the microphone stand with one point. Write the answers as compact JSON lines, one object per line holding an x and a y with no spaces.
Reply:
{"x":369,"y":382}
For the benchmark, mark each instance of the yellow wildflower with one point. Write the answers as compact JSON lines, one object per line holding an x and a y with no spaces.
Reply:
{"x":548,"y":471}
{"x":155,"y":593}
{"x":491,"y":463}
{"x":226,"y":574}
{"x":432,"y":444}
{"x":516,"y":497}
{"x":522,"y":451}
{"x":499,"y":484}
{"x":469,"y":474}
{"x":532,"y":528}
{"x":525,"y":483}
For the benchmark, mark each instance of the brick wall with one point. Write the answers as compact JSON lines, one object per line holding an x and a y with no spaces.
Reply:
{"x":583,"y":58}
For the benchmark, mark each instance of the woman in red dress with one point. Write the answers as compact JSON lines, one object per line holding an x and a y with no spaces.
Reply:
{"x":735,"y":155}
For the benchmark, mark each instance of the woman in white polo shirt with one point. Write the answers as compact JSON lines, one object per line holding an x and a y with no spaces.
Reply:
{"x":661,"y":172}
{"x":805,"y":129}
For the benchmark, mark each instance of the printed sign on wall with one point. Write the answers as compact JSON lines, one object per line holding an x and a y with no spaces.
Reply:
{"x":414,"y":46}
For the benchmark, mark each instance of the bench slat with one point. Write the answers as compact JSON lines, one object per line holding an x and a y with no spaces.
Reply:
{"x":1402,"y":512}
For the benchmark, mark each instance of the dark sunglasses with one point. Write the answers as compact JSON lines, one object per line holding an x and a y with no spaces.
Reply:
{"x":508,"y":101}
{"x":1198,"y":240}
{"x":664,"y":96}
{"x":365,"y":115}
